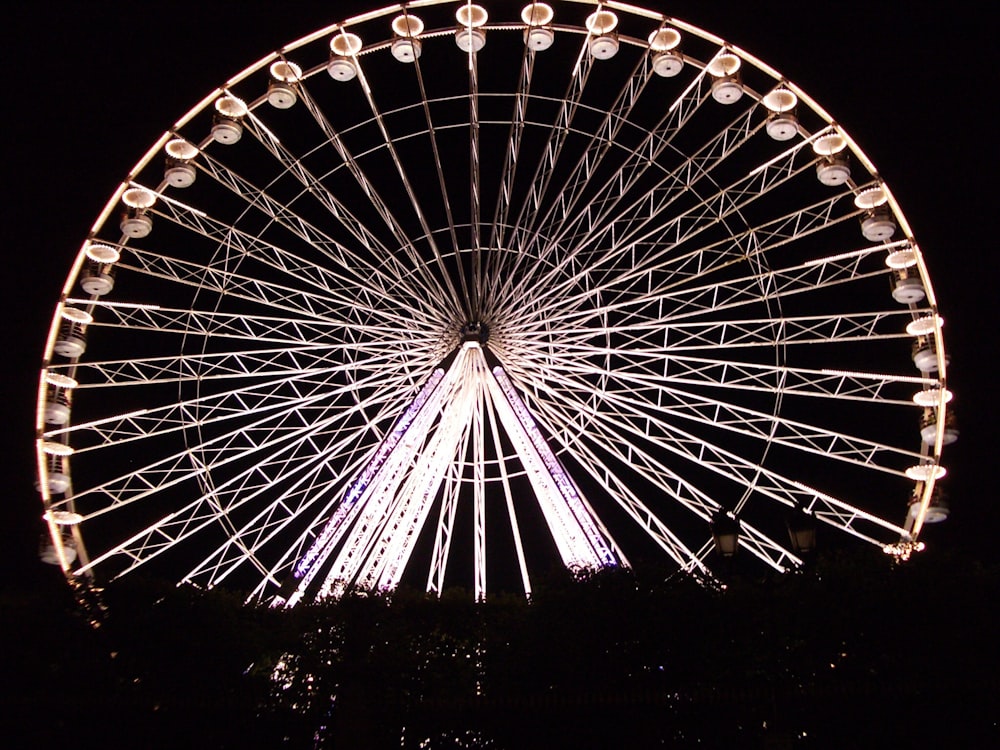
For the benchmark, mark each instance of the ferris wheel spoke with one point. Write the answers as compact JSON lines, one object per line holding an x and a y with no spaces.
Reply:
{"x":425,"y":280}
{"x":751,"y":244}
{"x":637,"y":224}
{"x":642,"y":225}
{"x":475,"y":200}
{"x":240,"y":364}
{"x":457,"y":304}
{"x":314,"y":495}
{"x":219,"y":408}
{"x":637,"y":280}
{"x":682,"y":228}
{"x":343,"y":258}
{"x":525,"y":224}
{"x":595,"y":215}
{"x":606,"y":434}
{"x":512,"y":155}
{"x":189,"y":522}
{"x":221,"y":281}
{"x":315,"y":187}
{"x":564,"y":202}
{"x":245,"y":488}
{"x":495,"y":428}
{"x":732,"y":374}
{"x":654,"y":339}
{"x":615,"y":428}
{"x":259,"y":436}
{"x":639,"y":393}
{"x":747,"y":473}
{"x":675,"y":303}
{"x":637,"y":163}
{"x":353,"y":450}
{"x":439,"y":171}
{"x":303,"y":271}
{"x":644,"y":158}
{"x":264,"y":328}
{"x":624,"y":496}
{"x":195,"y":412}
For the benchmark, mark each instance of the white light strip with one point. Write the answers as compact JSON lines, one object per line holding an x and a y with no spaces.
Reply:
{"x":880,"y":376}
{"x":400,"y":537}
{"x":361,"y":553}
{"x":841,"y":256}
{"x":594,"y":550}
{"x":320,"y":550}
{"x":108,"y":303}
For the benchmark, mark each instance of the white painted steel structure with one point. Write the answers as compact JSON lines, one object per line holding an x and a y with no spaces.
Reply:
{"x":413,"y":289}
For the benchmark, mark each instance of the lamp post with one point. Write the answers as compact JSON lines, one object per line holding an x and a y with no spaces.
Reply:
{"x":725,"y":533}
{"x":802,"y":531}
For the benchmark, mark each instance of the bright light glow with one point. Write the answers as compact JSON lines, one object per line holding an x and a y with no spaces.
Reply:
{"x":407,"y":25}
{"x":662,"y":40}
{"x":76,"y":315}
{"x":103,"y":253}
{"x":59,"y":380}
{"x":829,"y":144}
{"x":923,"y":472}
{"x":108,"y":303}
{"x":725,"y":64}
{"x":180,"y":149}
{"x":346,"y":44}
{"x":137,"y":197}
{"x":903,"y":550}
{"x":63,"y":517}
{"x":925,"y":325}
{"x":360,"y":484}
{"x":873,"y":376}
{"x":840,"y":256}
{"x":286,"y":72}
{"x":870,"y":198}
{"x":602,"y":22}
{"x":931,"y":397}
{"x":230,"y":106}
{"x":905,"y":258}
{"x":593,"y":549}
{"x":780,"y":100}
{"x":471,"y":15}
{"x":537,"y":14}
{"x":53,"y":448}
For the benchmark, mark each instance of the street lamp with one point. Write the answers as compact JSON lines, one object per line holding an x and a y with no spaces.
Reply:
{"x":726,"y":533}
{"x":802,"y":531}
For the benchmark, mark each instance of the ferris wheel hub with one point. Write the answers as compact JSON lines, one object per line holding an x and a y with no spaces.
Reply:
{"x":475,"y":332}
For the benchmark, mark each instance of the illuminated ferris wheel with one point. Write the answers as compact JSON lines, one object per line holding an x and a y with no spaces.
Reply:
{"x":443,"y":296}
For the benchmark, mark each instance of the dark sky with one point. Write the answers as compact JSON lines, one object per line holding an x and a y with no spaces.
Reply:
{"x":90,"y":85}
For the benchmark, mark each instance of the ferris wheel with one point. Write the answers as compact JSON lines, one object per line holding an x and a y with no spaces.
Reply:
{"x":445,"y":296}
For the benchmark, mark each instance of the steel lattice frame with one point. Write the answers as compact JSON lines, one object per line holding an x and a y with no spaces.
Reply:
{"x":408,"y":322}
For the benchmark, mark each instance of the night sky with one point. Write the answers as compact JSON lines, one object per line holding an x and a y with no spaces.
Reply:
{"x":89,"y":86}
